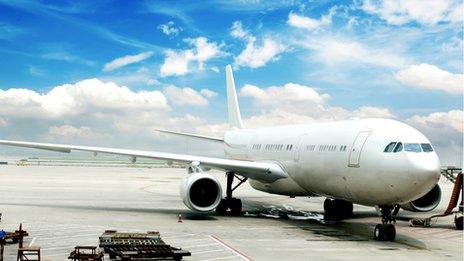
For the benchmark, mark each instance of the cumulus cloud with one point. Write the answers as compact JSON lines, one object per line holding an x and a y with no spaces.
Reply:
{"x":293,"y":103}
{"x":170,"y":29}
{"x":70,"y":131}
{"x":428,"y":12}
{"x":255,"y":54}
{"x":431,"y":77}
{"x":184,"y":96}
{"x":445,"y":130}
{"x":3,"y":122}
{"x":81,"y":97}
{"x":309,"y":23}
{"x":126,"y":60}
{"x":179,"y":62}
{"x":208,"y":93}
{"x":140,"y":76}
{"x":333,"y":51}
{"x":290,"y":92}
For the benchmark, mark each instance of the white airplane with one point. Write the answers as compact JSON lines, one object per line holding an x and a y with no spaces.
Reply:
{"x":373,"y":162}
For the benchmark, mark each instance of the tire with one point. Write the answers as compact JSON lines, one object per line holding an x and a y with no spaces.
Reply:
{"x":222,"y":207}
{"x":458,"y":222}
{"x":329,"y":209}
{"x":236,"y":206}
{"x":390,"y":232}
{"x":379,"y":233}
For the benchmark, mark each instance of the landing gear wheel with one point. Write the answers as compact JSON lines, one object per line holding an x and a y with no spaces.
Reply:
{"x":385,"y":231}
{"x":458,"y":222}
{"x":235,"y":206}
{"x":230,"y":205}
{"x":390,"y":232}
{"x":222,"y":207}
{"x":337,"y":209}
{"x":329,"y":209}
{"x":379,"y":232}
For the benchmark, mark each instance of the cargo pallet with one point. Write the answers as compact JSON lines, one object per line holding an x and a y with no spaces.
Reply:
{"x":86,"y":253}
{"x":136,"y":246}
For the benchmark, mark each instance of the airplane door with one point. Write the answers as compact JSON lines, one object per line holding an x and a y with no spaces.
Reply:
{"x":355,"y":152}
{"x":299,"y":148}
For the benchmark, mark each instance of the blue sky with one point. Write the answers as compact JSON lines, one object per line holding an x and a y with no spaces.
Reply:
{"x":294,"y":61}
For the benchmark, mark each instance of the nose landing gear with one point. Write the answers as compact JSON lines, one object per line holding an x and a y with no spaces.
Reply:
{"x":386,"y":231}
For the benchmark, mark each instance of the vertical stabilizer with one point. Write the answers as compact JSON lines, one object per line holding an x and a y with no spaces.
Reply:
{"x":235,"y":119}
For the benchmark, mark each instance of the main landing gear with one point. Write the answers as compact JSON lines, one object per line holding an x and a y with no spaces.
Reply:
{"x":337,"y":209}
{"x":386,"y":231}
{"x":230,"y":205}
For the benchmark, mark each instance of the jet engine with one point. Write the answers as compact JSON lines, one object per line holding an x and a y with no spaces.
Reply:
{"x":426,"y":203}
{"x":201,"y":192}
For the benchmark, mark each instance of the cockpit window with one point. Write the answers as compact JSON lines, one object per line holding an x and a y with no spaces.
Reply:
{"x":390,"y":147}
{"x":412,"y":147}
{"x":398,"y":147}
{"x":426,"y":147}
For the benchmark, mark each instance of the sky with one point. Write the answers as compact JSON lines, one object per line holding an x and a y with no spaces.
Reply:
{"x":108,"y":73}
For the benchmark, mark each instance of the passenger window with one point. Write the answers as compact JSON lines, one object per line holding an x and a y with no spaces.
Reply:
{"x":398,"y":147}
{"x":390,"y":147}
{"x":426,"y":147}
{"x":412,"y":147}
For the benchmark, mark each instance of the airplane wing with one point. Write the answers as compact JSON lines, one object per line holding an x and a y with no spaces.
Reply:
{"x":262,"y":171}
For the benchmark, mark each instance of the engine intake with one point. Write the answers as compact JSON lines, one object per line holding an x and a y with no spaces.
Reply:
{"x":201,"y":192}
{"x":426,"y":203}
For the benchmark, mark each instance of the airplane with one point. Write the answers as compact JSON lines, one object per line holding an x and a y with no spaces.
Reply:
{"x":373,"y":162}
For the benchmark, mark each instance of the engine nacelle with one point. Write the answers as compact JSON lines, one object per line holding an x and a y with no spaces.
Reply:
{"x":201,"y":192}
{"x":426,"y":203}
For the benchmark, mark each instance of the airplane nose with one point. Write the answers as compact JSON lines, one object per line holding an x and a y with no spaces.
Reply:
{"x":426,"y":168}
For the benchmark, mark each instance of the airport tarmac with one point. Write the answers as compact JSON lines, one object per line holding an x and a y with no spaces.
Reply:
{"x":62,"y":207}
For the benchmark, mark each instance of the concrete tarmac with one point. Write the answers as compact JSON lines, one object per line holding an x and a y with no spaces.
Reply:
{"x":62,"y":207}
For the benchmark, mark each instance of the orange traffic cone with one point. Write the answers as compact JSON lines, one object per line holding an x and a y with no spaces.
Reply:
{"x":179,"y":218}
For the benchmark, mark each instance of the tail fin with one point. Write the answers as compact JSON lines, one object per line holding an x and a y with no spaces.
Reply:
{"x":235,"y":119}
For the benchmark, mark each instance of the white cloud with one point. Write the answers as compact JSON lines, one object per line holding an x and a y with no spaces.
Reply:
{"x":445,"y":130}
{"x":214,"y":69}
{"x":179,"y":62}
{"x":184,"y":96}
{"x":169,"y":29}
{"x":309,"y":23}
{"x":335,"y":52}
{"x":86,"y":96}
{"x":3,"y":122}
{"x":428,"y":12}
{"x":66,"y":57}
{"x":208,"y":93}
{"x":35,"y":71}
{"x":69,"y":131}
{"x":431,"y":77}
{"x":294,"y":103}
{"x":290,"y":92}
{"x":372,"y":112}
{"x":140,"y":76}
{"x":126,"y":60}
{"x":255,"y":55}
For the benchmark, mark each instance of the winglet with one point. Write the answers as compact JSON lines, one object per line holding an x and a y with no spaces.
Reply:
{"x":235,"y":119}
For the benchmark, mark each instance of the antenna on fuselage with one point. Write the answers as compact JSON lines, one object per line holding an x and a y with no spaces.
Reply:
{"x":235,"y":119}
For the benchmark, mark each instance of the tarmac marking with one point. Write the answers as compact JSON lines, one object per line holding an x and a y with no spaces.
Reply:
{"x":219,"y":258}
{"x":186,"y":235}
{"x":204,"y":245}
{"x":32,"y":242}
{"x":238,"y":253}
{"x":208,"y":251}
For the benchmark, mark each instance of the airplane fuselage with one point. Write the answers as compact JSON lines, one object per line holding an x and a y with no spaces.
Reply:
{"x":343,"y":160}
